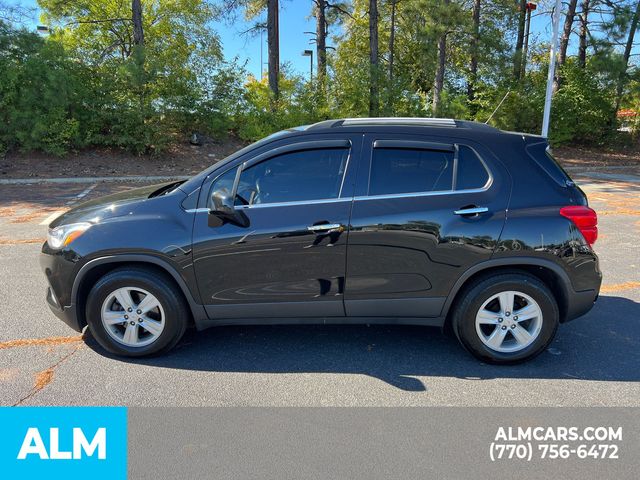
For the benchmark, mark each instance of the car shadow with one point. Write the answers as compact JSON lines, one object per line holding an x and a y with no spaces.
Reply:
{"x":604,"y":345}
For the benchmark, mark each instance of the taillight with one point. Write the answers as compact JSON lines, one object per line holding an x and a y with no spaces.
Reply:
{"x":585,"y":219}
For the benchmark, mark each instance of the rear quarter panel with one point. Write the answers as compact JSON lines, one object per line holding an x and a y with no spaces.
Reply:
{"x":534,"y":226}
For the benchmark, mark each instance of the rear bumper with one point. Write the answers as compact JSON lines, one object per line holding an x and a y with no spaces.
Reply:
{"x":580,"y":303}
{"x":67,"y":314}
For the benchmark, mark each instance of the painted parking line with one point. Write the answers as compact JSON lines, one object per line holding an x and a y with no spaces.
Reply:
{"x":52,"y":217}
{"x":82,"y":194}
{"x":40,"y":342}
{"x":20,"y":241}
{"x":617,"y":287}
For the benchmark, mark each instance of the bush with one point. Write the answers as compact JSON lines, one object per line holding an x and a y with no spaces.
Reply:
{"x":38,"y":94}
{"x":581,"y":111}
{"x":53,"y":102}
{"x":582,"y":108}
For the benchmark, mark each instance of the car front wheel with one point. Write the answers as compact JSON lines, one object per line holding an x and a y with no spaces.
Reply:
{"x":135,"y":312}
{"x":506,"y":318}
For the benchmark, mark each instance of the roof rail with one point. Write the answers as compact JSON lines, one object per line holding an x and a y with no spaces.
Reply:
{"x":427,"y":122}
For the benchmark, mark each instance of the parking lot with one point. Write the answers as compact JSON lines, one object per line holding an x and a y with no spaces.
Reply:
{"x":594,"y":361}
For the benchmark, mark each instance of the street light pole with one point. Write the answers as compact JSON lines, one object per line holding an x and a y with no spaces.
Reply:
{"x":552,"y":69}
{"x":309,"y":53}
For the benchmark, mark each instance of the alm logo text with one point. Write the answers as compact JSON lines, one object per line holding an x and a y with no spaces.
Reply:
{"x":33,"y":444}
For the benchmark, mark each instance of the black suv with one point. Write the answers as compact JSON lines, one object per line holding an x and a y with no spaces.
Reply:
{"x":406,"y":221}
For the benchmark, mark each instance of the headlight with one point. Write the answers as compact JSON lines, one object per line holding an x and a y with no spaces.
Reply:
{"x":65,"y":234}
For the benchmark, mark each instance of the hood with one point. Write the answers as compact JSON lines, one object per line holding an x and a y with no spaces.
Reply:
{"x":115,"y":205}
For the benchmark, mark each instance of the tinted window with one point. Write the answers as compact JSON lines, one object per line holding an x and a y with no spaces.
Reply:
{"x":471,"y":171}
{"x":554,"y":169}
{"x":296,"y":176}
{"x":224,"y":181}
{"x":410,"y":171}
{"x":544,"y":158}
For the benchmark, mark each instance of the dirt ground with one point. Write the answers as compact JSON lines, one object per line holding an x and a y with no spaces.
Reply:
{"x":188,"y":159}
{"x":591,"y":157}
{"x":183,"y":159}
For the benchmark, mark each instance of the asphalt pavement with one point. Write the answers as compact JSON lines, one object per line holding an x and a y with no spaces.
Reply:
{"x":594,"y":360}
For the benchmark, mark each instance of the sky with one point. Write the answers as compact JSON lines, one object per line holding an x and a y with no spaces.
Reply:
{"x":294,"y":21}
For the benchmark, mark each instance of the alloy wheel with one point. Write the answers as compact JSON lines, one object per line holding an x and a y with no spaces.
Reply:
{"x":132,"y":316}
{"x":509,"y":321}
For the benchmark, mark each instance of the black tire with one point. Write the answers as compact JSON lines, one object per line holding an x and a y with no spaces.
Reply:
{"x":162,"y":287}
{"x":464,"y":315}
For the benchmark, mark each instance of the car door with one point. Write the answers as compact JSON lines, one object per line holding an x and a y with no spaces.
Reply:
{"x":283,"y":252}
{"x":425,"y":210}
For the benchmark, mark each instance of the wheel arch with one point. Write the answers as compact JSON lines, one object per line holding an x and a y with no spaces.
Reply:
{"x":93,"y":270}
{"x":547,"y":271}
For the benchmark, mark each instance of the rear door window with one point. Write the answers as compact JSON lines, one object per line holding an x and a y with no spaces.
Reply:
{"x":406,"y":170}
{"x":472,"y":173}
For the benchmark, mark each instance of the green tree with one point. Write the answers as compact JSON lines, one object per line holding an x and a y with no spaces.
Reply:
{"x":144,"y":76}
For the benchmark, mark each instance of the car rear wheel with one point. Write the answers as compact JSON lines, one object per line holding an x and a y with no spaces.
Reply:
{"x":135,"y":312}
{"x":506,"y":318}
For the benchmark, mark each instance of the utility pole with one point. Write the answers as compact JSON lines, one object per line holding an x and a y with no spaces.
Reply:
{"x":552,"y":69}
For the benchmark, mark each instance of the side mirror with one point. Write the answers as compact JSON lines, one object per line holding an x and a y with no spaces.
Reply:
{"x":223,"y":210}
{"x":222,"y":203}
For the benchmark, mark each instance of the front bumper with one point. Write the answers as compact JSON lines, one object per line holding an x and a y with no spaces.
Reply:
{"x":67,"y":314}
{"x":60,"y":270}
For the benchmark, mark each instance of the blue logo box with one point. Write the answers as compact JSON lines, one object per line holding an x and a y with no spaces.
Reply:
{"x":59,"y":442}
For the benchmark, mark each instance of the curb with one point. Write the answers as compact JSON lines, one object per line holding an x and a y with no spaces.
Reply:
{"x":612,"y":177}
{"x":28,"y":181}
{"x":577,"y":168}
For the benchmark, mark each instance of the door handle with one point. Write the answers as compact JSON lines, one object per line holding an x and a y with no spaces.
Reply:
{"x":471,"y":211}
{"x":324,"y":228}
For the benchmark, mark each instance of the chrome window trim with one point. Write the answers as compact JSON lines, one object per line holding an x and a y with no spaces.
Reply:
{"x":287,"y":204}
{"x":420,"y":194}
{"x":358,"y":198}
